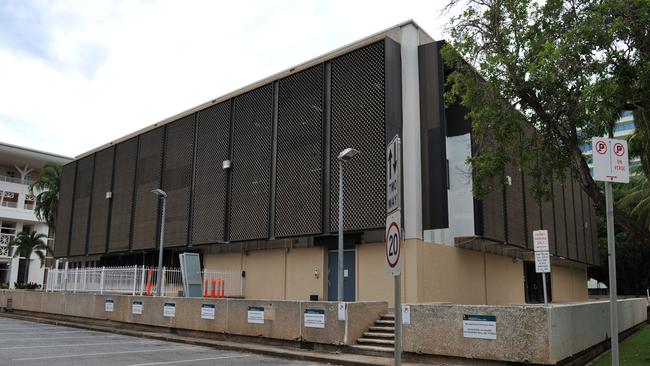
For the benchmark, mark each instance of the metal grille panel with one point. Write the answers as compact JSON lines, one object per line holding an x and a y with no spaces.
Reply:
{"x":533,"y":214}
{"x":251,"y":164}
{"x":560,"y":218}
{"x":358,"y":121}
{"x":177,"y":179}
{"x":145,"y":212}
{"x":548,"y":223}
{"x":493,"y":216}
{"x":515,"y":208}
{"x":299,"y":154}
{"x":64,"y":212}
{"x":210,"y":182}
{"x":580,"y":222}
{"x":100,"y":205}
{"x":569,"y":206}
{"x":122,"y":205}
{"x":83,"y":187}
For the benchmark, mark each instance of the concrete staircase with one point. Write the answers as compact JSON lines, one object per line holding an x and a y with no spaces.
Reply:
{"x":379,"y":338}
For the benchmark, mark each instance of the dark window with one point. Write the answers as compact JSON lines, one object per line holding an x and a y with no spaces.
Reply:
{"x":534,"y":284}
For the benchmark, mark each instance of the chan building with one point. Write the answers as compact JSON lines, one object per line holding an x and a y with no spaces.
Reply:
{"x":273,"y":213}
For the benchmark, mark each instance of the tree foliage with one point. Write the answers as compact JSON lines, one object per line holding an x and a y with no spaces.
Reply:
{"x":26,"y":243}
{"x":539,"y":79}
{"x":46,"y":191}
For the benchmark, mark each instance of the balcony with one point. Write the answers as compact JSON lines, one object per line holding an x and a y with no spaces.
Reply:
{"x":4,"y":178}
{"x":4,"y":244}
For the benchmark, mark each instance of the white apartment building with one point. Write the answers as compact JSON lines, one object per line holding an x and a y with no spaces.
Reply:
{"x":622,"y":130}
{"x":18,"y":166}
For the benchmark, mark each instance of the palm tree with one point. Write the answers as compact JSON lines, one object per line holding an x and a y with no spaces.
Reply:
{"x":26,"y":243}
{"x":636,"y":198}
{"x":47,"y":199}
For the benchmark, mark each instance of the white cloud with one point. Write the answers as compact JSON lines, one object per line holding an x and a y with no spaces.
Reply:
{"x":117,"y":66}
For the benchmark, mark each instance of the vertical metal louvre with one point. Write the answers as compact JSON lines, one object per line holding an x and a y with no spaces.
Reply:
{"x":586,"y":219}
{"x":493,"y":215}
{"x":358,"y":121}
{"x":123,"y":186}
{"x":515,"y":207}
{"x":595,"y":248}
{"x":533,"y":214}
{"x":100,"y":204}
{"x":210,"y":180}
{"x":548,"y":223}
{"x":177,"y":179}
{"x":560,"y":219}
{"x":299,"y":154}
{"x":569,"y":206}
{"x":64,"y":211}
{"x":146,"y":212}
{"x":83,"y":187}
{"x":251,"y":164}
{"x":580,"y":222}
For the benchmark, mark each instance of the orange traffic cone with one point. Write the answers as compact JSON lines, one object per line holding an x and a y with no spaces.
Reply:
{"x":149,"y":282}
{"x":223,"y":288}
{"x":214,"y":288}
{"x":205,"y":288}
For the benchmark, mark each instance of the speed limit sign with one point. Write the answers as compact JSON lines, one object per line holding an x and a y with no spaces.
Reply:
{"x":394,"y":243}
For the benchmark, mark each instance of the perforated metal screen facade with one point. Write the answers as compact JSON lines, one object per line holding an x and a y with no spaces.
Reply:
{"x":99,"y":210}
{"x":209,"y":198}
{"x":145,"y":211}
{"x":177,"y":180}
{"x":251,"y":159}
{"x":533,"y":211}
{"x":569,"y":207}
{"x":560,"y":219}
{"x":83,"y":186}
{"x":299,"y":172}
{"x":358,"y":121}
{"x":494,"y":216}
{"x":126,"y":154}
{"x":64,"y":212}
{"x":548,"y":223}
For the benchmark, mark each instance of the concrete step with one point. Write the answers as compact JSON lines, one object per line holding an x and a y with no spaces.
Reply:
{"x":382,"y":329}
{"x":378,"y":335}
{"x":373,"y":349}
{"x":388,"y":316}
{"x":376,"y":341}
{"x":385,"y":322}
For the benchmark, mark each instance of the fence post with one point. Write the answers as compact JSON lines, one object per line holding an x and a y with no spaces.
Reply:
{"x":65,"y":277}
{"x":135,"y":278}
{"x":142,"y":280}
{"x":101,"y":281}
{"x":241,"y":284}
{"x":76,"y":276}
{"x":162,"y":288}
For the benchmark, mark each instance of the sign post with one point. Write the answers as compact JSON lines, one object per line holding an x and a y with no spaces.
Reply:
{"x":542,"y":257}
{"x":394,"y":233}
{"x":611,"y":164}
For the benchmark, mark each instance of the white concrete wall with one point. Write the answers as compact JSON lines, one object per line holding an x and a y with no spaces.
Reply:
{"x":578,"y":326}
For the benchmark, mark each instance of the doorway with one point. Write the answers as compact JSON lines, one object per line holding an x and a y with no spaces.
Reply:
{"x":349,"y":275}
{"x":534,"y":288}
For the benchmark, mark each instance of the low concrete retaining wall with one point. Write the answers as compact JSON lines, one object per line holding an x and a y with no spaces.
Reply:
{"x":521,"y":333}
{"x":283,"y":320}
{"x":529,"y":334}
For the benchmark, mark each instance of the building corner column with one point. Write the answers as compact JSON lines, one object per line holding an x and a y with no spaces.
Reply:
{"x":411,"y":157}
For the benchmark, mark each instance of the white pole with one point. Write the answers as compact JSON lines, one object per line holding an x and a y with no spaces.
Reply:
{"x":162,"y":285}
{"x":398,"y":319}
{"x":611,"y":251}
{"x":101,"y":281}
{"x":135,"y":278}
{"x":340,"y":295}
{"x":142,"y":280}
{"x":544,"y":285}
{"x":160,"y":251}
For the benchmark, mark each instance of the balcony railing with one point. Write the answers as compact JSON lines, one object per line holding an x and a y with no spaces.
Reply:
{"x":5,"y":239}
{"x":9,"y":204}
{"x":4,"y":178}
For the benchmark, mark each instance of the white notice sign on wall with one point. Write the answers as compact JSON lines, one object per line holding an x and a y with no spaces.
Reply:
{"x":480,"y":326}
{"x":540,"y":240}
{"x":169,"y":310}
{"x":136,"y":307}
{"x":108,"y":305}
{"x":314,"y":318}
{"x":256,"y":314}
{"x":207,"y":311}
{"x":542,"y":262}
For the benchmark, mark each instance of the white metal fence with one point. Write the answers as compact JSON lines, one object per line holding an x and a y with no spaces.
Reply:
{"x":140,"y":280}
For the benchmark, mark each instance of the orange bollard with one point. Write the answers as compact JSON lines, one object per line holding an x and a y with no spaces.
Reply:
{"x":149,"y":282}
{"x":214,"y":288}
{"x":223,"y":288}
{"x":205,"y":288}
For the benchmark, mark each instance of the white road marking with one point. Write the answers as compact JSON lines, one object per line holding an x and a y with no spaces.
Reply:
{"x":102,"y":354}
{"x":23,"y":328}
{"x":78,"y":344}
{"x":185,"y":361}
{"x":78,"y":337}
{"x":47,"y":333}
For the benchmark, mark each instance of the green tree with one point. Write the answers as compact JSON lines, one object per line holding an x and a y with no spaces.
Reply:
{"x":46,"y":191}
{"x":538,"y":79}
{"x":26,"y":243}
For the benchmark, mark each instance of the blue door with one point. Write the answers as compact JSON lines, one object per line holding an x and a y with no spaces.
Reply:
{"x":349,"y":275}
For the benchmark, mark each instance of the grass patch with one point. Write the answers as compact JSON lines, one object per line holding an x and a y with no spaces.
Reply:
{"x":633,"y":351}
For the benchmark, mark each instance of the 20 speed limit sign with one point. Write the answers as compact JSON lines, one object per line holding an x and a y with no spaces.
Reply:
{"x":394,"y":243}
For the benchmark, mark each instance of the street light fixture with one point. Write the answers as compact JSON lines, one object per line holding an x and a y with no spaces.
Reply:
{"x":343,"y":157}
{"x":163,"y":196}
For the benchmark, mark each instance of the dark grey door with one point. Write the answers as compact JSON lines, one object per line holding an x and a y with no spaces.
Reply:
{"x":349,"y":275}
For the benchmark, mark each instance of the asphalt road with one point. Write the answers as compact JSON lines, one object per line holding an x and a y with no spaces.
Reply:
{"x":24,"y":343}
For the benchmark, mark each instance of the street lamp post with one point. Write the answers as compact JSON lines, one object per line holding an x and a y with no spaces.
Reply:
{"x":163,"y":196}
{"x":344,"y":156}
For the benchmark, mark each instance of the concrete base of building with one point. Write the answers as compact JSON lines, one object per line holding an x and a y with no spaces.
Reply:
{"x":431,"y":273}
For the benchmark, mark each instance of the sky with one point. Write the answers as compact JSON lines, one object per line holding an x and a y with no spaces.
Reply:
{"x":75,"y":75}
